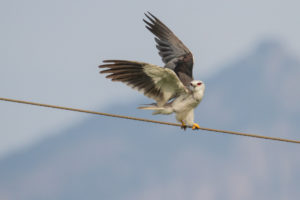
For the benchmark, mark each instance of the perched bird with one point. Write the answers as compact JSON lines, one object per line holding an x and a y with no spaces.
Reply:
{"x":172,"y":86}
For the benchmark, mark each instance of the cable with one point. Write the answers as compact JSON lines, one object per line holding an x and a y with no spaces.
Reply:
{"x":148,"y":120}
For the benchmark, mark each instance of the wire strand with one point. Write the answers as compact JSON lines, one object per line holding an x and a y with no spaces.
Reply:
{"x":148,"y":120}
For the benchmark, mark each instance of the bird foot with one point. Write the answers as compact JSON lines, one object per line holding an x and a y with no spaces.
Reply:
{"x":195,"y":126}
{"x":183,"y":125}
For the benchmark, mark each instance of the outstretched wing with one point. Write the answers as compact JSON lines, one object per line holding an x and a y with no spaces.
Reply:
{"x":174,"y":53}
{"x":160,"y":84}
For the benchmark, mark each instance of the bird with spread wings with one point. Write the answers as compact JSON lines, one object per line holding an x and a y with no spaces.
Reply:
{"x":172,"y":86}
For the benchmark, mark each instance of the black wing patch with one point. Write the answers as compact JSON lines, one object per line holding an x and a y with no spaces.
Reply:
{"x":174,"y":53}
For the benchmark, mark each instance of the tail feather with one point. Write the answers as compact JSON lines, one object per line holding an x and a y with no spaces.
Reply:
{"x":156,"y":109}
{"x":148,"y":106}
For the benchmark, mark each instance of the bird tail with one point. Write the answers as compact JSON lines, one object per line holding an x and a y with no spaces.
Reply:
{"x":156,"y":109}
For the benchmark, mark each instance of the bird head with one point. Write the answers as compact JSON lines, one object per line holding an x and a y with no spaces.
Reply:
{"x":197,"y":86}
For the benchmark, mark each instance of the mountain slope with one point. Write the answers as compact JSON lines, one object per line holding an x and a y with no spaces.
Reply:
{"x":108,"y":158}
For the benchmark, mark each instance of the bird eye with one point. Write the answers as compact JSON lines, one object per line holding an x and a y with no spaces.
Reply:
{"x":191,"y":84}
{"x":199,"y":83}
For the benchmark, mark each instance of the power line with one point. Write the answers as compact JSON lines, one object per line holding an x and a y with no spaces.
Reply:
{"x":147,"y":120}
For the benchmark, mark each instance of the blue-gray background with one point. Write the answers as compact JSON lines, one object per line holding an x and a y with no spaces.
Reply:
{"x":247,"y":52}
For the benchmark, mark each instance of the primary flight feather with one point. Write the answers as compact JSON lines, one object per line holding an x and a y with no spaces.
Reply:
{"x":172,"y":86}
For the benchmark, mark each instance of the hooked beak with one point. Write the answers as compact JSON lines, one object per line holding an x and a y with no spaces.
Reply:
{"x":192,"y":86}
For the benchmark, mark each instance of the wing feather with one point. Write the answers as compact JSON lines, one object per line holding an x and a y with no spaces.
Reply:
{"x":173,"y":52}
{"x":160,"y":84}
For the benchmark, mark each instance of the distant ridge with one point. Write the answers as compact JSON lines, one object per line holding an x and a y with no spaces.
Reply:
{"x":103,"y":158}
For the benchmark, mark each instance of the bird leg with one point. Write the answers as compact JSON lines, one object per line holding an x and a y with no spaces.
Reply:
{"x":183,"y":125}
{"x":195,"y":126}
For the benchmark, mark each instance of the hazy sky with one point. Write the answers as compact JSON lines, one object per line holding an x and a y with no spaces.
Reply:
{"x":50,"y":50}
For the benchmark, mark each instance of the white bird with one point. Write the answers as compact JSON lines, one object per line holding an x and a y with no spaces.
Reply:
{"x":172,"y":86}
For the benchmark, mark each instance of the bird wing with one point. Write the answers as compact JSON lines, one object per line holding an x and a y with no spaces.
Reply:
{"x":173,"y":52}
{"x":160,"y":84}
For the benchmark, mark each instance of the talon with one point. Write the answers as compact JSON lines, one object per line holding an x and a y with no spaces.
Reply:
{"x":195,"y":126}
{"x":183,"y":126}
